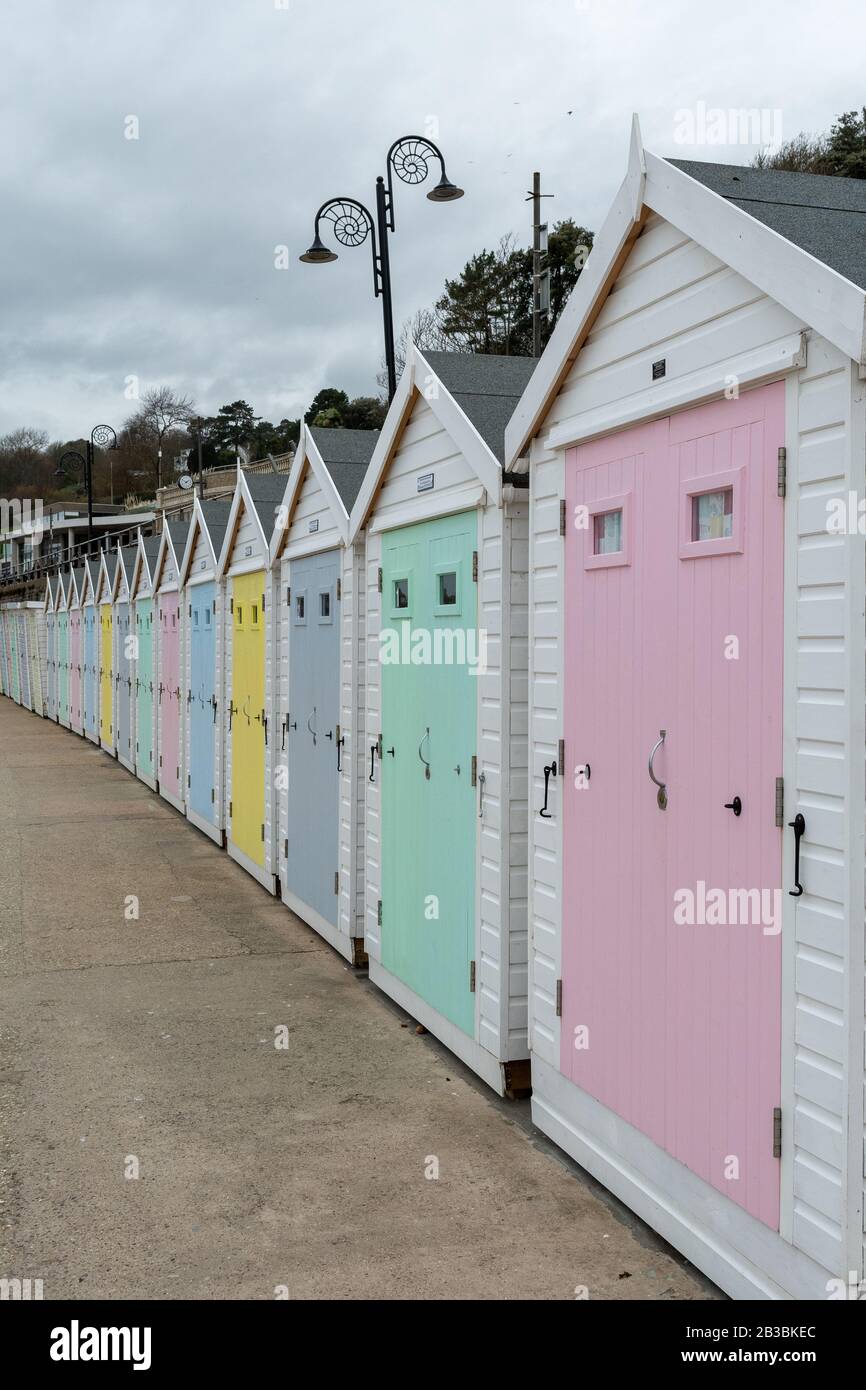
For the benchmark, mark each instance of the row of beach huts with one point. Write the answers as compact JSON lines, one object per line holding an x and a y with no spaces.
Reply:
{"x":546,"y":703}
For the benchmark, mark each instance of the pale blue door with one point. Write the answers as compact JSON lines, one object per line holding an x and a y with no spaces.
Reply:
{"x":202,"y":699}
{"x":312,"y":735}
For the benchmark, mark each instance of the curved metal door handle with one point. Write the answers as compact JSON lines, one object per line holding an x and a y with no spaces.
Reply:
{"x":426,"y":735}
{"x":662,"y":786}
{"x":309,"y":726}
{"x":798,"y":825}
{"x":549,"y":771}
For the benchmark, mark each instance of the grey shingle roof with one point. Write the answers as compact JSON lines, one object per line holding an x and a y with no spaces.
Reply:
{"x":486,"y":387}
{"x":178,"y":531}
{"x":346,"y":454}
{"x":216,"y":515}
{"x":823,"y":215}
{"x":127,"y":555}
{"x":151,"y":549}
{"x":267,"y":491}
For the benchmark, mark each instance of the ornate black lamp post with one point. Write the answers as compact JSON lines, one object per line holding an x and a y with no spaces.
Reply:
{"x":101,"y":436}
{"x":408,"y":158}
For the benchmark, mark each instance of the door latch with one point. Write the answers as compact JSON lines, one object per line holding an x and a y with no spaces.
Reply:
{"x":549,"y":771}
{"x":798,"y":825}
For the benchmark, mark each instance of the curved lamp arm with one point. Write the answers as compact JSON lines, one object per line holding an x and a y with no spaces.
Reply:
{"x":409,"y":158}
{"x":103,"y":437}
{"x":352,"y":225}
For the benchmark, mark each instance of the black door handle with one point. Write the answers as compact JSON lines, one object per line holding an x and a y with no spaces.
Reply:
{"x":374,"y":748}
{"x":736,"y":805}
{"x":549,"y":771}
{"x":798,"y":825}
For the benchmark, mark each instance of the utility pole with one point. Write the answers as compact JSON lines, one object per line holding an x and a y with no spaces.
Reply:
{"x":540,"y":281}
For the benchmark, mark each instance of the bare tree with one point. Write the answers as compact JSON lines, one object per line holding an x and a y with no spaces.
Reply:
{"x":160,"y":412}
{"x":424,"y":331}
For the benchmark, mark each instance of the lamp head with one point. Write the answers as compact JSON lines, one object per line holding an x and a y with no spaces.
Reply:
{"x":318,"y":254}
{"x":445,"y":191}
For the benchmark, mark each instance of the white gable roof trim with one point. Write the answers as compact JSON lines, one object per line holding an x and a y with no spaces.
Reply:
{"x":198,"y":526}
{"x":242,"y":500}
{"x":813,"y":291}
{"x":166,"y":554}
{"x":307,"y":453}
{"x":415,"y":381}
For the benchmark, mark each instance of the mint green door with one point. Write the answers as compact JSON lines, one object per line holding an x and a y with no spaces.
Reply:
{"x":429,"y":803}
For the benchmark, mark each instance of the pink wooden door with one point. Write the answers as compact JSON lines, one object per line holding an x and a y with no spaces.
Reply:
{"x":674,"y":620}
{"x":169,"y":693}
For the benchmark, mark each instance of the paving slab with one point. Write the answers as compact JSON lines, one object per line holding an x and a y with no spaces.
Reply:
{"x":156,"y":1142}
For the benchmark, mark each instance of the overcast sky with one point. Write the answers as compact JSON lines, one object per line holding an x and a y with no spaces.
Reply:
{"x":154,"y":258}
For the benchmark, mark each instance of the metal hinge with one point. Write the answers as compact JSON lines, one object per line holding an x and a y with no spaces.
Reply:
{"x":177,"y":774}
{"x":189,"y":610}
{"x":562,"y":516}
{"x":286,"y":847}
{"x":472,"y":977}
{"x":188,"y":781}
{"x":336,"y":880}
{"x":212,"y":796}
{"x":339,"y":588}
{"x":782,"y":472}
{"x":474,"y":782}
{"x":263,"y":603}
{"x":780,"y":802}
{"x":214,"y":605}
{"x":561,"y":753}
{"x":380,"y":579}
{"x":379,"y":912}
{"x":160,"y":760}
{"x":475,"y":566}
{"x":777,"y":1132}
{"x":288,"y":594}
{"x":559,"y":999}
{"x":263,"y":830}
{"x":231,"y":605}
{"x":379,"y":748}
{"x":230,"y":810}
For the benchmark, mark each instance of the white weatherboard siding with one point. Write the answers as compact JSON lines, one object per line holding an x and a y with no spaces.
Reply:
{"x":674,"y":300}
{"x":200,"y":561}
{"x":503,"y":602}
{"x":824,"y":769}
{"x":501,"y":941}
{"x":313,"y":526}
{"x":425,"y":447}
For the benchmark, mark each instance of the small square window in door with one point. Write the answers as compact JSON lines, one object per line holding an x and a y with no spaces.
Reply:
{"x":607,"y":533}
{"x":448,"y":589}
{"x":401,"y":593}
{"x":606,"y":524}
{"x":712,"y":515}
